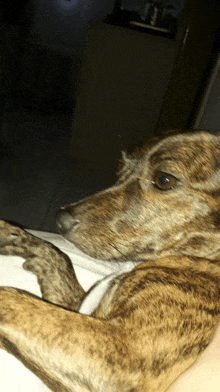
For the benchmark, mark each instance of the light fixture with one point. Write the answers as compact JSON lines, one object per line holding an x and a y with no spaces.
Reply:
{"x":66,"y":6}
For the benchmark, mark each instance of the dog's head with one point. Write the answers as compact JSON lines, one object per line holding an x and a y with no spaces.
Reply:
{"x":166,"y":201}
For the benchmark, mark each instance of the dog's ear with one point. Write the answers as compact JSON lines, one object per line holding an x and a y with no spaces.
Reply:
{"x":203,"y":243}
{"x":137,"y":152}
{"x":126,"y":163}
{"x":124,"y":157}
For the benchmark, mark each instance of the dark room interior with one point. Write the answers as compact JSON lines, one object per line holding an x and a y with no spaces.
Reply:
{"x":81,"y":81}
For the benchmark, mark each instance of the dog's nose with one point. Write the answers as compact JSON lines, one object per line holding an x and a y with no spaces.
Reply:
{"x":66,"y":220}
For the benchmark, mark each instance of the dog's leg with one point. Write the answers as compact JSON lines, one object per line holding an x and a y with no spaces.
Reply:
{"x":52,"y":267}
{"x":66,"y":350}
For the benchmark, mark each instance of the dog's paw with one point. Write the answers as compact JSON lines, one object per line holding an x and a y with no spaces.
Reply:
{"x":10,"y":238}
{"x":37,"y":266}
{"x":9,"y":234}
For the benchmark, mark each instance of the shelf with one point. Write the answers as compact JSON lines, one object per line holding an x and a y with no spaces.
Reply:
{"x":141,"y":27}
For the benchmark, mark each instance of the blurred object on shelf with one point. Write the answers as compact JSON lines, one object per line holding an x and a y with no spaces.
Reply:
{"x":158,"y":16}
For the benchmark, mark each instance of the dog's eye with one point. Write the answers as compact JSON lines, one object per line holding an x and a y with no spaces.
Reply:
{"x":165,"y":181}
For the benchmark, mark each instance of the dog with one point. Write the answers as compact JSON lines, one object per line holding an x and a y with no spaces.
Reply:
{"x":152,"y":320}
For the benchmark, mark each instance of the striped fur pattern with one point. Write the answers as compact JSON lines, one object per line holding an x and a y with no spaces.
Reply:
{"x":153,"y":321}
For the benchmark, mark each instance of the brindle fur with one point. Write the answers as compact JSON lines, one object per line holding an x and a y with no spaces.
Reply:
{"x":154,"y":321}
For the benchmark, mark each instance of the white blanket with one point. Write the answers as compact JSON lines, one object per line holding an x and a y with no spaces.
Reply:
{"x":14,"y":377}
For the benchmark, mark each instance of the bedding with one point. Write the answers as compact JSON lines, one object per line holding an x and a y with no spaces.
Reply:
{"x":14,"y":377}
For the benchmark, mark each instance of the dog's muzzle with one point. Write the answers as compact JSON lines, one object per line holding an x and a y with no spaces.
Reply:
{"x":66,"y":220}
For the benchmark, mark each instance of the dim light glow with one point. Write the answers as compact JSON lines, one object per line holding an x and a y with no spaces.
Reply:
{"x":66,"y":6}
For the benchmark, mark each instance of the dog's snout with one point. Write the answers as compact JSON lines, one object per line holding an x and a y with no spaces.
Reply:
{"x":66,"y":220}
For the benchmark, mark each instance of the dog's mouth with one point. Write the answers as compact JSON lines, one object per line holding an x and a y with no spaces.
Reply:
{"x":70,"y":228}
{"x":96,"y":237}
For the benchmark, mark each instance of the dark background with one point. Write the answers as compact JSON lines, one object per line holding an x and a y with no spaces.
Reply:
{"x":76,"y":90}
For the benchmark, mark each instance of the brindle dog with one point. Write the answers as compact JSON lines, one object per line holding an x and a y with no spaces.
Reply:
{"x":153,"y":321}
